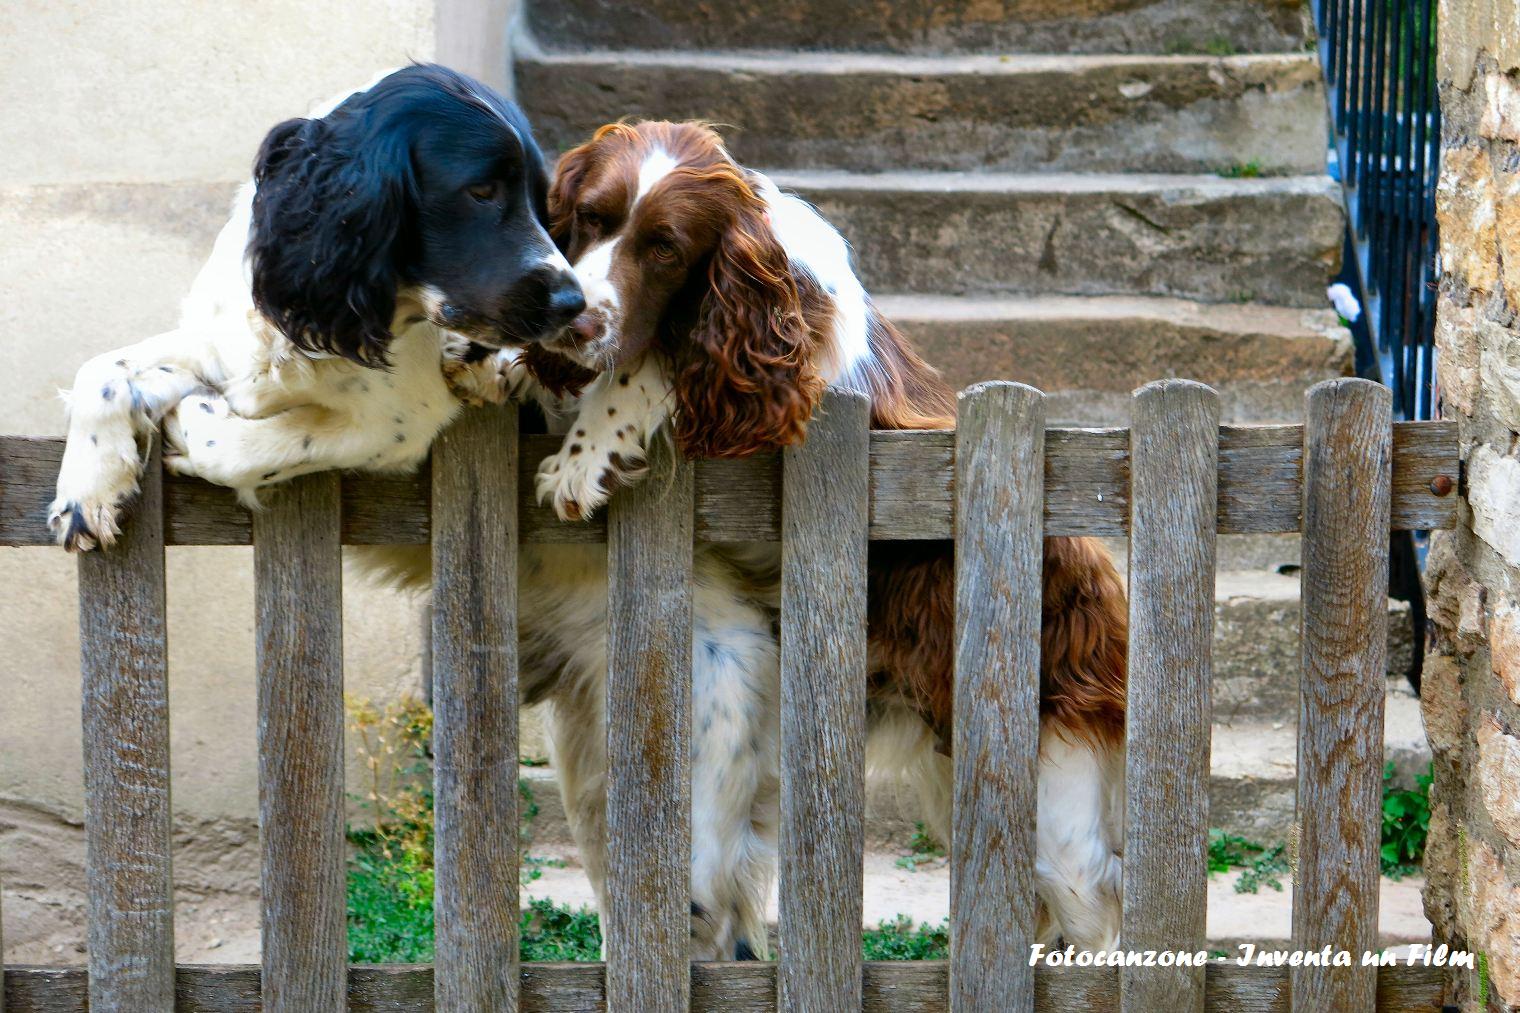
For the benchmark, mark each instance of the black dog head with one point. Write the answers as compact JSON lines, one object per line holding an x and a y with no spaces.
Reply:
{"x":426,"y":188}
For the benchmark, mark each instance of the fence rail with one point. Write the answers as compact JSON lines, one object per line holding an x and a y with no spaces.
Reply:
{"x":1001,"y":483}
{"x":911,"y":482}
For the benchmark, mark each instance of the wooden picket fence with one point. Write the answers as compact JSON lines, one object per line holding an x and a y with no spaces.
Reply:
{"x":998,"y":485}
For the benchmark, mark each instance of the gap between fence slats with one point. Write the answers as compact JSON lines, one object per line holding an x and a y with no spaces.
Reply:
{"x":474,"y":648}
{"x":123,"y":651}
{"x":1340,"y":725}
{"x":889,"y":987}
{"x":299,"y":592}
{"x":647,"y":923}
{"x":999,"y":481}
{"x":912,"y":488}
{"x":1174,"y":459}
{"x":823,"y":707}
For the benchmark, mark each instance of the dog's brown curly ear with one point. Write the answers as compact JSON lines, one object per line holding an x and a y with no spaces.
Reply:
{"x":746,"y":376}
{"x":1084,"y":641}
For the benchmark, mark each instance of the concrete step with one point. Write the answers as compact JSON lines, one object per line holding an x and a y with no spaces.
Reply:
{"x":1196,"y":237}
{"x":862,"y":112}
{"x":983,"y":26}
{"x":1088,"y":354}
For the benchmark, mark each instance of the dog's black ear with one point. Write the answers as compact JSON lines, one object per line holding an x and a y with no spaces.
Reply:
{"x":328,"y":212}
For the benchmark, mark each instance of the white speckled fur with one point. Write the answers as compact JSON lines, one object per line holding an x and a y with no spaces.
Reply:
{"x":242,"y":407}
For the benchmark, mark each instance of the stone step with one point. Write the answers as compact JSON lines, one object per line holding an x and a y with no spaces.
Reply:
{"x":1251,"y":787}
{"x":1254,"y":763}
{"x":985,"y":26}
{"x":1256,"y":646}
{"x":862,"y":112}
{"x":1197,"y":237}
{"x":1089,"y":353}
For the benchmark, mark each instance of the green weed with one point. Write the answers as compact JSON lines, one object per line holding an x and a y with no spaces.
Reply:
{"x":921,"y":849}
{"x":1242,"y":170}
{"x":1262,"y":865}
{"x":1406,"y":823}
{"x":901,"y":939}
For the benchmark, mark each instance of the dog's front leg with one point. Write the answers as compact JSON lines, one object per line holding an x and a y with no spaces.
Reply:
{"x":608,"y":445}
{"x":204,"y":438}
{"x":118,"y":399}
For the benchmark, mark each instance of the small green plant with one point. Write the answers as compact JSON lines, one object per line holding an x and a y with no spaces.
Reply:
{"x":1229,"y":851}
{"x":1406,"y":823}
{"x":554,"y":932}
{"x":1242,"y":170}
{"x":390,"y":869}
{"x":901,"y":939}
{"x":1217,"y":46}
{"x":921,"y":849}
{"x":533,"y":761}
{"x":1265,"y":870}
{"x":1261,"y":865}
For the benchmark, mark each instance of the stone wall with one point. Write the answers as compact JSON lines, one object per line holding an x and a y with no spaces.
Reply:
{"x":127,"y":128}
{"x":1472,"y":681}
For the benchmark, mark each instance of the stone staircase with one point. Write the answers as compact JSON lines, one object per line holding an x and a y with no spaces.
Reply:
{"x":1082,"y":195}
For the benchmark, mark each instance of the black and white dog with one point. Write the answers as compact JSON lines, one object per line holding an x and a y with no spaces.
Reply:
{"x":390,"y":260}
{"x":333,"y":325}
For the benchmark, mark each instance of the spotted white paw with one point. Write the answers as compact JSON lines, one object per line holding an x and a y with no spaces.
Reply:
{"x":96,"y":482}
{"x":578,"y":479}
{"x":499,"y":377}
{"x":192,"y":429}
{"x":202,"y":437}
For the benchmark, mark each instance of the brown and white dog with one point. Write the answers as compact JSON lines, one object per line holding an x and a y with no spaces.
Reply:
{"x":726,"y":307}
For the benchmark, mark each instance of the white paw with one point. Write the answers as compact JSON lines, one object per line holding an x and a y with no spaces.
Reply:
{"x":579,"y":479}
{"x":96,"y":481}
{"x":499,"y":377}
{"x":192,"y":429}
{"x":202,"y":439}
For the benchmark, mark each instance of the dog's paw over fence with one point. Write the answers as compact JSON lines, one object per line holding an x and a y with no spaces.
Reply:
{"x":998,"y":486}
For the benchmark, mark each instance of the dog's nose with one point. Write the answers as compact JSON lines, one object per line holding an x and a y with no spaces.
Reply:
{"x":588,"y":327}
{"x":565,"y":299}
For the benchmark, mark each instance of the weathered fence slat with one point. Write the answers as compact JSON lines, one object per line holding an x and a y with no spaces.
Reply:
{"x":1347,"y":450}
{"x":1174,"y":460}
{"x":299,"y":578}
{"x":823,"y":706}
{"x":647,"y":923}
{"x":1086,"y":490}
{"x":474,"y":645}
{"x":1000,"y":497}
{"x":123,"y":654}
{"x":750,"y":987}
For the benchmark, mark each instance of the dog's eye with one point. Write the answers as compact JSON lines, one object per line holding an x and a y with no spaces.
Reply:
{"x":662,"y":249}
{"x":484,"y":193}
{"x":590,"y":220}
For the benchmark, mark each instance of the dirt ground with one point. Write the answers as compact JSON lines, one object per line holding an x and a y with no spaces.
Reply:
{"x":44,"y":928}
